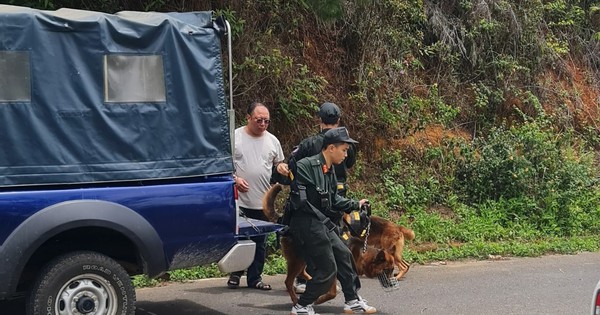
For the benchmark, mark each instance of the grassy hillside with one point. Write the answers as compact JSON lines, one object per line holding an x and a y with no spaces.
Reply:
{"x":476,"y":118}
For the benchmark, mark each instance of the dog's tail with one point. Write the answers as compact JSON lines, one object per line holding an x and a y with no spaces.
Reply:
{"x":268,"y":202}
{"x":408,"y":233}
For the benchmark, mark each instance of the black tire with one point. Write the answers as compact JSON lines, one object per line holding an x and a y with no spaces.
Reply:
{"x":82,"y":283}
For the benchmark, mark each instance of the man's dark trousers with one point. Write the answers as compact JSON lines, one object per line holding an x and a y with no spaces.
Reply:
{"x":255,"y":269}
{"x":326,"y":256}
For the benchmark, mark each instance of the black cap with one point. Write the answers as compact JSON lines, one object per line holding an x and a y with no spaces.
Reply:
{"x":337,"y":135}
{"x":329,"y":113}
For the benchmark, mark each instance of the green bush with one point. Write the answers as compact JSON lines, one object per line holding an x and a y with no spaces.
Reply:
{"x":532,"y":174}
{"x":295,"y":88}
{"x":420,"y":178}
{"x":409,"y":185}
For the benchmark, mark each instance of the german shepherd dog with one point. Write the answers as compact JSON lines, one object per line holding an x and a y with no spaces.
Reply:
{"x":369,"y":262}
{"x":390,"y":237}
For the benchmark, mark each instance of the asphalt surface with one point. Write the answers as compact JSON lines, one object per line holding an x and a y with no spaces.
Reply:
{"x":557,"y":284}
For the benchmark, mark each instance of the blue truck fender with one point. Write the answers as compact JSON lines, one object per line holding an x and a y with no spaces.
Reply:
{"x":43,"y":225}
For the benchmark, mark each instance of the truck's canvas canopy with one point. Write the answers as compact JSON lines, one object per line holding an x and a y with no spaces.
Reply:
{"x":89,"y":97}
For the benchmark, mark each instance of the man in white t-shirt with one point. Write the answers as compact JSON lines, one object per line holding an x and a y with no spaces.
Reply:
{"x":256,"y":152}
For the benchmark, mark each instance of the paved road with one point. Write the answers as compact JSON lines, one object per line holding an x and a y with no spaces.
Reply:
{"x":547,"y":285}
{"x":521,"y":286}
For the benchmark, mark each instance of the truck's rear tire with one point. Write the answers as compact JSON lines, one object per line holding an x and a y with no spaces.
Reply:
{"x":81,"y":283}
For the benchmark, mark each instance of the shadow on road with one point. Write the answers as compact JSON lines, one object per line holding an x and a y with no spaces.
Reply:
{"x":178,"y":306}
{"x":13,"y":307}
{"x":211,"y":297}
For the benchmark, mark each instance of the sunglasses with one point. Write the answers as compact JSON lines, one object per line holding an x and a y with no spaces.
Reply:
{"x":261,"y":121}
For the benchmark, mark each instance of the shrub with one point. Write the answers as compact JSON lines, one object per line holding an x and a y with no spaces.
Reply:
{"x":533,"y":175}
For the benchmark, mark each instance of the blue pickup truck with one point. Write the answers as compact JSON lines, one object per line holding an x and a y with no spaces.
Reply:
{"x":116,"y":136}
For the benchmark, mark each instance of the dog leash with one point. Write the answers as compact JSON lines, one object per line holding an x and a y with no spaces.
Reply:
{"x":366,"y":237}
{"x":367,"y":208}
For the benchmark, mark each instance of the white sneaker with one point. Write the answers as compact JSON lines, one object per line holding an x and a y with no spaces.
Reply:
{"x":364,"y":300}
{"x":358,"y":306}
{"x":300,"y":288}
{"x":303,"y":310}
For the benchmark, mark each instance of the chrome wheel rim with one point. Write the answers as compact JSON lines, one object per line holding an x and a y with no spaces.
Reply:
{"x":87,"y":294}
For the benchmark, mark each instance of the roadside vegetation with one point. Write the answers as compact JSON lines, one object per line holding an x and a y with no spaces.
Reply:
{"x":479,"y":120}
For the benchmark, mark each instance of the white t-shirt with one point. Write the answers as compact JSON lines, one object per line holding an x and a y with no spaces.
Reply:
{"x":254,"y":159}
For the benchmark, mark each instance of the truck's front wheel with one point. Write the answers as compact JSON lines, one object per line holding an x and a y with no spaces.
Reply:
{"x":82,"y":283}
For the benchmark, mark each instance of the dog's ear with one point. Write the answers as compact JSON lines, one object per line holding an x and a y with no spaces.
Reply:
{"x":380,"y":256}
